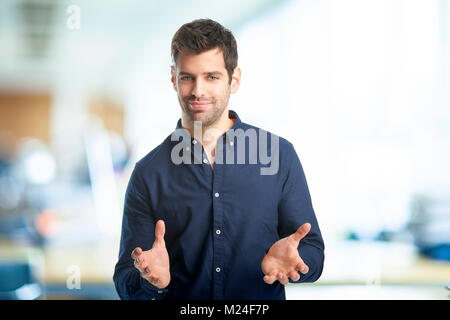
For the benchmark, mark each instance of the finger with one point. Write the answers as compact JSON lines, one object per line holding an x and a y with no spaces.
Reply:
{"x":137,"y":265}
{"x":294,"y":275}
{"x":140,"y":264}
{"x":302,"y":267}
{"x":136,"y":253}
{"x":301,"y":232}
{"x":283,"y":279}
{"x":160,"y":230}
{"x":269,"y":279}
{"x":143,"y":265}
{"x":145,"y":272}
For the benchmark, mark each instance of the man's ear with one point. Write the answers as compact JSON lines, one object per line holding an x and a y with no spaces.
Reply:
{"x":173,"y":76}
{"x":235,"y":80}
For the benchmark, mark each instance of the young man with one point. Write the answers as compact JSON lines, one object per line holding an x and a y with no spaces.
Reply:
{"x":205,"y":217}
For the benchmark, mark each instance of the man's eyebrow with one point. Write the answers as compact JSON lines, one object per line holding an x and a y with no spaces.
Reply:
{"x":183,"y":73}
{"x":214,"y":72}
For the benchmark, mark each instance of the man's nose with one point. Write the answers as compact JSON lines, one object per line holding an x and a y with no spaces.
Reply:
{"x":198,"y":89}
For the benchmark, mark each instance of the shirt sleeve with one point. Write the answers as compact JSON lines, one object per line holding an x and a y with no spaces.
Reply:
{"x":294,"y":209}
{"x":138,"y":230}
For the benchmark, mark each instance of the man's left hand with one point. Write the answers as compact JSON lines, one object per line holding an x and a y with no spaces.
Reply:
{"x":283,"y":261}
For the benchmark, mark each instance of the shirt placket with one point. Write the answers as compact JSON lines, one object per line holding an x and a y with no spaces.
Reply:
{"x":218,"y":211}
{"x":216,"y":175}
{"x":218,"y":240}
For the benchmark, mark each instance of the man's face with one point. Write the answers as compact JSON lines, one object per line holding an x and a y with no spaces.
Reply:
{"x":202,"y":85}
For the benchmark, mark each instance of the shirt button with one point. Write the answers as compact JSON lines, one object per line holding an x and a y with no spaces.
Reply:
{"x":160,"y":291}
{"x":217,"y":269}
{"x":187,"y":148}
{"x":231,"y":143}
{"x":216,"y":194}
{"x":205,"y":160}
{"x":153,"y":299}
{"x":217,"y":231}
{"x":194,"y":141}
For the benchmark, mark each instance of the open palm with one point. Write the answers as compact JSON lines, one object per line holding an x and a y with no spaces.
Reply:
{"x":282,"y":261}
{"x":154,"y":264}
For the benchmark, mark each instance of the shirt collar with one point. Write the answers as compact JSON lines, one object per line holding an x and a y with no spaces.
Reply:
{"x":188,"y":141}
{"x":231,"y":114}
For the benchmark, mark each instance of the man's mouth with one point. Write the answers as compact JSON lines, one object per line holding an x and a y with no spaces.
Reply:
{"x":199,"y":105}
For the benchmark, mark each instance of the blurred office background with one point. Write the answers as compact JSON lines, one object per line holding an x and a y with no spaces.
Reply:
{"x":360,"y":87}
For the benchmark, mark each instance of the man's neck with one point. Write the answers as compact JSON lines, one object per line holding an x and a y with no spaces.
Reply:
{"x":208,"y":135}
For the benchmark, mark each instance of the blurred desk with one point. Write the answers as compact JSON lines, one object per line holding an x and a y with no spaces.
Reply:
{"x":95,"y":262}
{"x":360,"y":270}
{"x":386,"y":263}
{"x":54,"y":266}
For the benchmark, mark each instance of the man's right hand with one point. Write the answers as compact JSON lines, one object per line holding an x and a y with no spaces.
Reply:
{"x":154,"y":264}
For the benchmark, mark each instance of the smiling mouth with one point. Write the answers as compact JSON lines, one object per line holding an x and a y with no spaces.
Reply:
{"x":199,"y":105}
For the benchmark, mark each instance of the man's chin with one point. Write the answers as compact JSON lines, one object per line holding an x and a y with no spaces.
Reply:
{"x":205,"y":121}
{"x":206,"y":117}
{"x":199,"y":115}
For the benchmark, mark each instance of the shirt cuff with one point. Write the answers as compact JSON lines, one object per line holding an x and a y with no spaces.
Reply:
{"x":153,"y":292}
{"x":313,"y":258}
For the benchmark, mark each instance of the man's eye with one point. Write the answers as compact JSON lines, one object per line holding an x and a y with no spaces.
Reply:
{"x":185,"y":78}
{"x":213,"y":78}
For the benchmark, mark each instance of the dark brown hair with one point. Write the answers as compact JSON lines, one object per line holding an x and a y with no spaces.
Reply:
{"x":204,"y":34}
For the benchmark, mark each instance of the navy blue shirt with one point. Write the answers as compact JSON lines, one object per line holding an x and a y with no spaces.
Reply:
{"x":220,"y":222}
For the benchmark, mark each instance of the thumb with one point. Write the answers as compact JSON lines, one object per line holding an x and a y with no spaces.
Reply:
{"x":136,"y":253}
{"x":301,"y":232}
{"x":160,"y":230}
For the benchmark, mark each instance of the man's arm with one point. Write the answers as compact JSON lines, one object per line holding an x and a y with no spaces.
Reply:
{"x":138,"y":230}
{"x":295,"y":209}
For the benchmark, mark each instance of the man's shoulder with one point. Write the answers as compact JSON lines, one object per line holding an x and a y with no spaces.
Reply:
{"x":155,"y":155}
{"x":284,"y":143}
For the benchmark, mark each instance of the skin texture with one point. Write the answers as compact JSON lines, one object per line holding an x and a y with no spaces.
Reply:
{"x":203,"y":78}
{"x":283,"y":261}
{"x":154,"y":264}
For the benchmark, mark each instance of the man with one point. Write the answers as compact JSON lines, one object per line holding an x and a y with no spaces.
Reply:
{"x":203,"y":219}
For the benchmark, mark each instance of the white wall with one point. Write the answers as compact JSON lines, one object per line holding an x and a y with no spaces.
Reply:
{"x":361,"y":88}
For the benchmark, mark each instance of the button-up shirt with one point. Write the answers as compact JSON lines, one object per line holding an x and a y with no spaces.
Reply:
{"x":219,"y":222}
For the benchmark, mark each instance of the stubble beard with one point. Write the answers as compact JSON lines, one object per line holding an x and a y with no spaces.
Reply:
{"x":207,"y":118}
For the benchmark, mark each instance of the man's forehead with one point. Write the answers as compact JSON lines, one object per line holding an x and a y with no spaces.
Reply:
{"x":216,"y":51}
{"x":207,"y":61}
